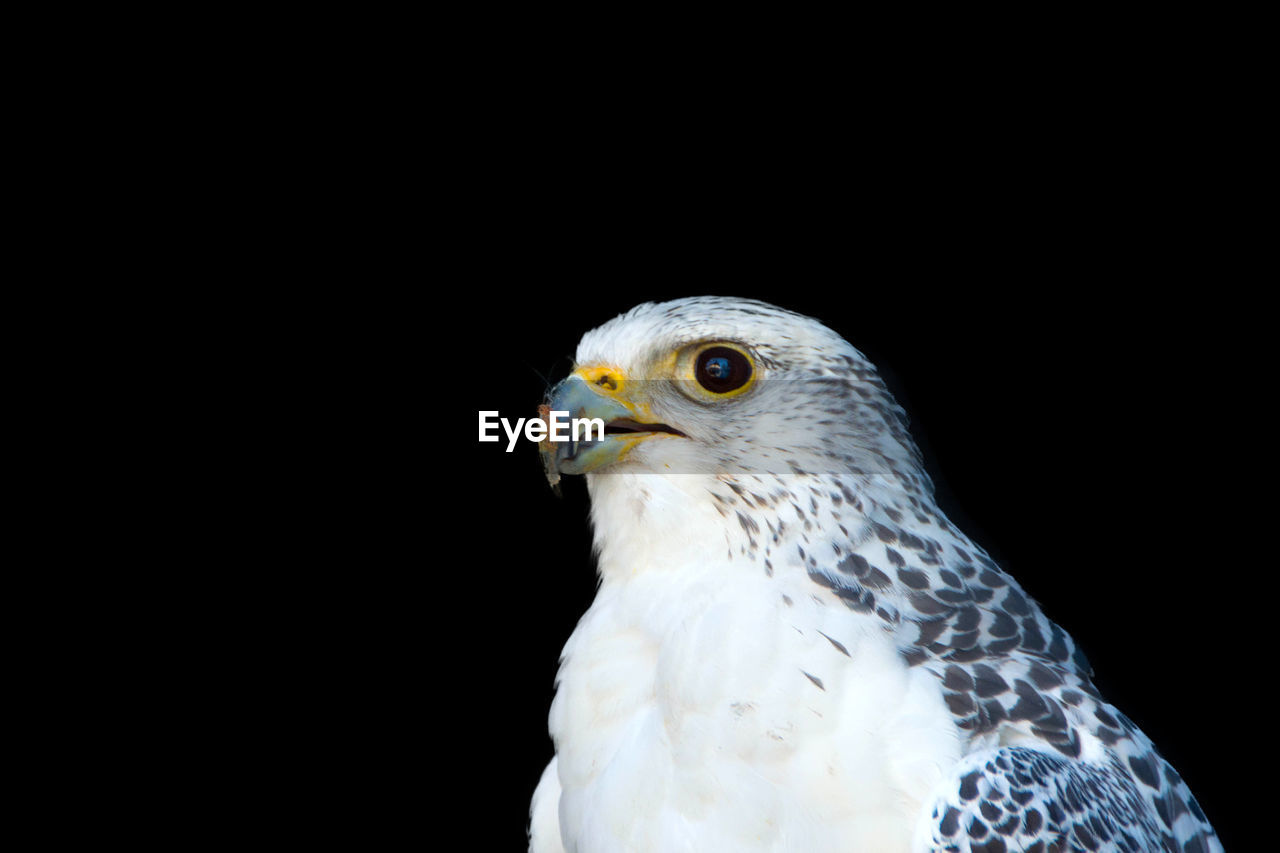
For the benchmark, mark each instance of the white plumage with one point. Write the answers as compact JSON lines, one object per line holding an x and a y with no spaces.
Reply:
{"x":791,"y":648}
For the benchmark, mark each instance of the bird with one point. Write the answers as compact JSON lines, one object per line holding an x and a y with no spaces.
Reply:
{"x":791,"y":647}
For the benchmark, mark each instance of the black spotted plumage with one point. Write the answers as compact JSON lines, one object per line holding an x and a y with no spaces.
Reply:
{"x":1004,"y":667}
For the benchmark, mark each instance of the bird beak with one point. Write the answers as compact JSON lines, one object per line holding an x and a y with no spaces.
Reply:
{"x":601,"y":394}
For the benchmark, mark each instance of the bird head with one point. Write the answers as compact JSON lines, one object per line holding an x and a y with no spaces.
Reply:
{"x":725,"y":386}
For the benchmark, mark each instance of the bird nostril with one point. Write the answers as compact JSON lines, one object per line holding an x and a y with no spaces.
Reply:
{"x":607,"y":378}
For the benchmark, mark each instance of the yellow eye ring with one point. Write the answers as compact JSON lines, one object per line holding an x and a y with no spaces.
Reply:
{"x":716,"y":370}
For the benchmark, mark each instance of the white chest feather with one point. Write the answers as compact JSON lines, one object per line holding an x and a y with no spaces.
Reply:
{"x":704,"y":704}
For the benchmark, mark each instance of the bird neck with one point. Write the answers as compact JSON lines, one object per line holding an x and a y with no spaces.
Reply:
{"x":647,"y":523}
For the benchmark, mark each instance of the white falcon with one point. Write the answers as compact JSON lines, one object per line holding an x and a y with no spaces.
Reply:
{"x":792,"y":648}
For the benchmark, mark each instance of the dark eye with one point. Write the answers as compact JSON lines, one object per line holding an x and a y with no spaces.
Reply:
{"x":721,"y":370}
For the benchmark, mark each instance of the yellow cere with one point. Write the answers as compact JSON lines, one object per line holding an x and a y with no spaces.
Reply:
{"x":606,"y":378}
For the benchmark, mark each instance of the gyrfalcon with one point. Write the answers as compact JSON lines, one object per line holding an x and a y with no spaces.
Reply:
{"x":792,"y":648}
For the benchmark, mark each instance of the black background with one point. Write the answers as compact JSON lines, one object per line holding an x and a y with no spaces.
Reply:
{"x":1053,"y":299}
{"x":1046,"y":253}
{"x":1074,"y":428}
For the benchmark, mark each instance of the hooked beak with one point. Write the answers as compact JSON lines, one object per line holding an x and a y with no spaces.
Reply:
{"x":599,"y":394}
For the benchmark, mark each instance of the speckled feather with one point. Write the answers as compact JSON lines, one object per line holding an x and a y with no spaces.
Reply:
{"x":793,"y":648}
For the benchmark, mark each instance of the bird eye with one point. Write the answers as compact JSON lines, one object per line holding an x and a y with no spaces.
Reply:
{"x":721,"y":369}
